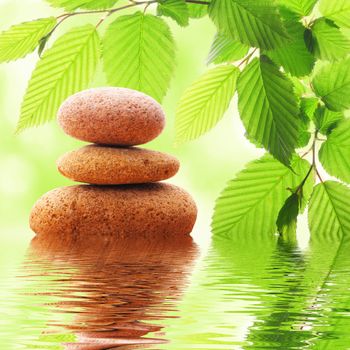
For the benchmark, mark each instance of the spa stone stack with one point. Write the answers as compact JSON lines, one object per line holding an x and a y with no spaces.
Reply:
{"x":123,"y":197}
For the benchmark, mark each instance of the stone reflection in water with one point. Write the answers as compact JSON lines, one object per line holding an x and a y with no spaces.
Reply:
{"x":116,"y":291}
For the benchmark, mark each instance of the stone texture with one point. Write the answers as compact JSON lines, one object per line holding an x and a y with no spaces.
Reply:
{"x":115,"y":116}
{"x":102,"y":165}
{"x":159,"y":211}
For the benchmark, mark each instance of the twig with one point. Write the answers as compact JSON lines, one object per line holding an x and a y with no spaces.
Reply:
{"x":102,"y":19}
{"x":146,"y":7}
{"x":313,"y":164}
{"x":307,"y":152}
{"x":247,"y":58}
{"x":108,"y":12}
{"x":57,"y":24}
{"x":133,"y":3}
{"x":314,"y":148}
{"x":305,"y":179}
{"x":318,"y":174}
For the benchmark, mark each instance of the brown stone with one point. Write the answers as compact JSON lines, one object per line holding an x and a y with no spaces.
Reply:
{"x":159,"y":211}
{"x":103,"y":165}
{"x":114,"y":116}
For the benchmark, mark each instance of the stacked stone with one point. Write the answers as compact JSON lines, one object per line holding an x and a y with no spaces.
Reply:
{"x":122,"y":197}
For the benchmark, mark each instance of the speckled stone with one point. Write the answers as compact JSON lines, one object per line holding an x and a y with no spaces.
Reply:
{"x":113,"y":116}
{"x":156,"y":210}
{"x":103,"y":165}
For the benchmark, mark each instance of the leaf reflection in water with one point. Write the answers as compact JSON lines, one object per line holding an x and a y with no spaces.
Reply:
{"x":302,"y":298}
{"x":115,"y":292}
{"x":265,"y":293}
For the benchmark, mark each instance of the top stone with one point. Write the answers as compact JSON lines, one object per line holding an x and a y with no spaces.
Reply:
{"x":112,"y":116}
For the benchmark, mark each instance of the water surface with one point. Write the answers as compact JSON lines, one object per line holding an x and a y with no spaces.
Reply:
{"x":243,"y":294}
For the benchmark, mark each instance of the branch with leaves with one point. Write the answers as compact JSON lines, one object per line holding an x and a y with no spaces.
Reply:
{"x":288,"y":61}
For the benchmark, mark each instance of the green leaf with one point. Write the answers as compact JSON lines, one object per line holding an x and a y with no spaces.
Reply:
{"x":255,"y":23}
{"x":139,"y":53}
{"x":299,"y":87}
{"x":336,"y":10}
{"x":251,"y":202}
{"x":268,"y":108}
{"x":329,"y":212}
{"x":326,"y":120}
{"x":224,"y":49}
{"x":175,"y":9}
{"x":98,"y":4}
{"x":332,"y":84}
{"x":71,"y":5}
{"x":301,"y":7}
{"x":329,"y":42}
{"x":294,"y":56}
{"x":205,"y":102}
{"x":197,"y":10}
{"x":304,"y":137}
{"x":22,"y":39}
{"x":64,"y":69}
{"x":307,"y":109}
{"x":335,"y":152}
{"x":287,"y":217}
{"x":308,"y":106}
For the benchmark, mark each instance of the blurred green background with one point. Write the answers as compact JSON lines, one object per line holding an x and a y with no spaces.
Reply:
{"x":28,"y":166}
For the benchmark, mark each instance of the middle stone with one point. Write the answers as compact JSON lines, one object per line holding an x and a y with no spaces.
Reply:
{"x":107,"y":165}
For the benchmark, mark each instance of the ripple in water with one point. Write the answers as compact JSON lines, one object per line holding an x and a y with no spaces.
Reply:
{"x":268,"y":294}
{"x":94,"y":296}
{"x":245,"y":294}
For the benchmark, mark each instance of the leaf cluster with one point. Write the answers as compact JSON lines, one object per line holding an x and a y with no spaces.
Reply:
{"x":290,"y":66}
{"x":136,"y":50}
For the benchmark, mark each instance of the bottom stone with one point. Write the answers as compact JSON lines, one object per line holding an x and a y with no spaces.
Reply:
{"x":149,"y":210}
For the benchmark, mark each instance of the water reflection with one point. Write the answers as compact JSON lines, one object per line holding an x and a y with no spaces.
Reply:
{"x":111,"y":294}
{"x":281,"y":322}
{"x":303,"y":297}
{"x":247,"y":293}
{"x":329,"y":297}
{"x":267,"y":294}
